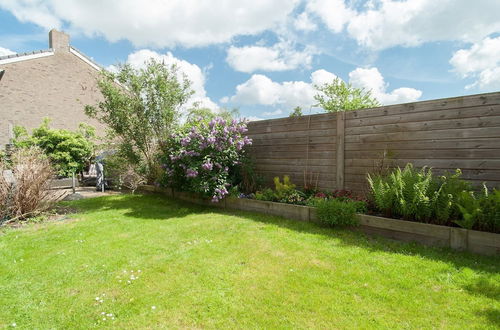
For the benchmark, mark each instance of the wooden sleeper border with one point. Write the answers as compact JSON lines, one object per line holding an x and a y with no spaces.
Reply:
{"x":427,"y":234}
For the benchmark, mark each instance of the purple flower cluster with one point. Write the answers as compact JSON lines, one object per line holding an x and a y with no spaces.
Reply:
{"x":207,"y":166}
{"x":190,"y":173}
{"x":200,"y":159}
{"x":219,"y":194}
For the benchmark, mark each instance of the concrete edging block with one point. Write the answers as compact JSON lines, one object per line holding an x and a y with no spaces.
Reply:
{"x":458,"y":238}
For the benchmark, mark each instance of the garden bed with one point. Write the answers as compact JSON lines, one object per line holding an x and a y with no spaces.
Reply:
{"x":427,"y":234}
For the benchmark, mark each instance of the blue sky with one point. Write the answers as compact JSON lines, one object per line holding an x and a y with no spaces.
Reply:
{"x":264,"y":56}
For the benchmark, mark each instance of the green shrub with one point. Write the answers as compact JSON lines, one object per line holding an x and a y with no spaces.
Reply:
{"x":284,"y":192}
{"x":480,"y":211}
{"x":265,"y":195}
{"x":68,"y":151}
{"x":334,"y":212}
{"x":415,"y":194}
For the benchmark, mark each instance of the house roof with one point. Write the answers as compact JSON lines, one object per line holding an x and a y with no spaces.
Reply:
{"x":47,"y":52}
{"x":25,"y":56}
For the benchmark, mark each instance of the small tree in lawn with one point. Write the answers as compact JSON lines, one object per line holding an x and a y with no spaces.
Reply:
{"x":340,"y":96}
{"x":140,"y":108}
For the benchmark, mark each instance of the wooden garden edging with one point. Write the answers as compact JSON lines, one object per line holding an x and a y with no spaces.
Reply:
{"x":427,"y":234}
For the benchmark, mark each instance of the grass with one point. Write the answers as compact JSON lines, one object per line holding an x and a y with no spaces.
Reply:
{"x":206,"y":268}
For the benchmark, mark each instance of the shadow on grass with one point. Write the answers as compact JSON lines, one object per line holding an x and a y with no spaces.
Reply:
{"x":140,"y":206}
{"x":492,"y":315}
{"x":160,"y":208}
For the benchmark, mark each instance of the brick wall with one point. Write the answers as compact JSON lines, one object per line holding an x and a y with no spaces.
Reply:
{"x":57,"y":86}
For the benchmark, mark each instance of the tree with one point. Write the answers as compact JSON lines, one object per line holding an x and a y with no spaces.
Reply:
{"x":197,"y":116}
{"x":341,"y":96}
{"x":141,"y":107}
{"x":68,"y":151}
{"x":297,"y":112}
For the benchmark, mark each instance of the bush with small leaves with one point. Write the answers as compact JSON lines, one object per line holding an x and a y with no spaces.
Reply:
{"x":334,"y":212}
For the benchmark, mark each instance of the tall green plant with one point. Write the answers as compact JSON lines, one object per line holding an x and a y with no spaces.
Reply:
{"x":141,"y":106}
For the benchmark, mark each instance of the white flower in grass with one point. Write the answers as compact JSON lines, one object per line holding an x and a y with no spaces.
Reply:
{"x":139,"y":271}
{"x":97,"y":298}
{"x":153,"y":307}
{"x":14,"y":324}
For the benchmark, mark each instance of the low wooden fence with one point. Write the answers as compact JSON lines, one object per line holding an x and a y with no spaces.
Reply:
{"x":335,"y":151}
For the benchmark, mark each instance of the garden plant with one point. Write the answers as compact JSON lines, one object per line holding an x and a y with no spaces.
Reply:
{"x":201,"y":158}
{"x":69,"y":151}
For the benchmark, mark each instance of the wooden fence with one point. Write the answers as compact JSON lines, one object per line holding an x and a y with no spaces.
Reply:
{"x":335,"y":151}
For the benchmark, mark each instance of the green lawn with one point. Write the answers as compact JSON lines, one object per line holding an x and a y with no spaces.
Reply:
{"x":198,"y":267}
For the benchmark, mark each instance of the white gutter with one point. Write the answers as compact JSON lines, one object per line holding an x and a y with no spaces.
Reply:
{"x":84,"y":58}
{"x":25,"y":57}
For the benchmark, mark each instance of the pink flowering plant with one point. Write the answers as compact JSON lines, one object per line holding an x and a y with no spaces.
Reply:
{"x":202,"y":157}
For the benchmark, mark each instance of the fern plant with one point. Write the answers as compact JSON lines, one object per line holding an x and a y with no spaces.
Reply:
{"x":480,"y":211}
{"x":415,"y":194}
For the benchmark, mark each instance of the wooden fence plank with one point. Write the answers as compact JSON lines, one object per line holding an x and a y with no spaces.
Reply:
{"x":431,"y":105}
{"x":492,"y":121}
{"x":470,"y":144}
{"x":479,"y":132}
{"x":425,"y":116}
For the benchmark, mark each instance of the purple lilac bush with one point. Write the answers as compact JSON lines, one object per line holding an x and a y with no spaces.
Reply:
{"x":200,"y":158}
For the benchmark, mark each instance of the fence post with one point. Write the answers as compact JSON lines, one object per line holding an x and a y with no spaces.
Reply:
{"x":340,"y":143}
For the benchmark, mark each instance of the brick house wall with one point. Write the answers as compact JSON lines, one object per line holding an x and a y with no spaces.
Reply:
{"x":56,"y":83}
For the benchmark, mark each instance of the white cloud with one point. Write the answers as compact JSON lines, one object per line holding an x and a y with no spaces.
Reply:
{"x":5,"y":51}
{"x":334,"y":13}
{"x":260,"y":89}
{"x":304,"y":23}
{"x":372,"y":80}
{"x":387,"y":23}
{"x":272,"y":113}
{"x":193,"y":72}
{"x":321,"y":77}
{"x":156,"y":23}
{"x":279,"y":57}
{"x":481,"y":61}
